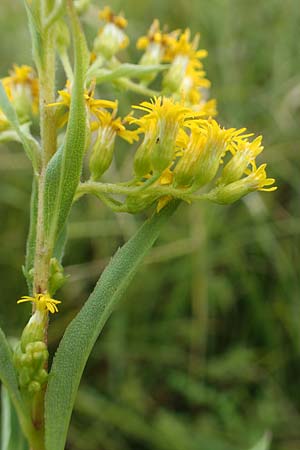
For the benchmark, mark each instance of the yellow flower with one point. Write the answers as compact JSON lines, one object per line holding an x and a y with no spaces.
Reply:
{"x":244,"y":156}
{"x":108,"y":127}
{"x":43,"y":302}
{"x":111,"y":38}
{"x":22,"y":88}
{"x":94,"y":106}
{"x":155,"y":44}
{"x":257,"y":180}
{"x":163,"y":120}
{"x":186,"y":76}
{"x":108,"y":16}
{"x":184,"y":47}
{"x":156,"y":36}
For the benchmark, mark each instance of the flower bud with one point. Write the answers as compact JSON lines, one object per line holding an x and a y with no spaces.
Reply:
{"x":34,"y":330}
{"x":34,"y":387}
{"x":56,"y":277}
{"x":142,"y":159}
{"x":174,"y":76}
{"x":139,"y":203}
{"x":111,"y":37}
{"x":102,"y":152}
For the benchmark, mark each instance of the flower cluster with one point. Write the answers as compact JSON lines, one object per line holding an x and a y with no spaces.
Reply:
{"x":186,"y":76}
{"x":181,"y":151}
{"x":186,"y":152}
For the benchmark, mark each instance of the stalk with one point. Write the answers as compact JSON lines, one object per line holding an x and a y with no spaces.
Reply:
{"x":46,"y":72}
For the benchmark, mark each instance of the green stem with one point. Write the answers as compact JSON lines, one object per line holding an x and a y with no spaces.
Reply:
{"x":97,"y":188}
{"x":135,"y":87}
{"x":48,"y":141}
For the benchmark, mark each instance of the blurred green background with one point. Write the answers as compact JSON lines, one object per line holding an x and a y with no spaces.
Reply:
{"x":203,"y":353}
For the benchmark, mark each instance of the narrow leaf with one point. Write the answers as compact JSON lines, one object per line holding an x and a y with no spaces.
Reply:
{"x":12,"y":437}
{"x":81,"y":334}
{"x":9,"y":378}
{"x":31,"y":238}
{"x":126,"y":70}
{"x":64,"y":169}
{"x":36,"y":36}
{"x":30,"y":145}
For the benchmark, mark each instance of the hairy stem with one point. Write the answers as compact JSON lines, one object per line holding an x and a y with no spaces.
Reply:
{"x":48,"y":141}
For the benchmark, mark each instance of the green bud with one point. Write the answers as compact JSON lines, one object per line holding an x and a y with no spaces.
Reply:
{"x":142,"y":159}
{"x":34,"y":387}
{"x":34,"y":330}
{"x":174,"y":76}
{"x":163,"y":150}
{"x":24,"y":376}
{"x":42,"y":376}
{"x":110,"y":40}
{"x":56,"y":278}
{"x":102,"y":152}
{"x":136,"y":204}
{"x":230,"y":193}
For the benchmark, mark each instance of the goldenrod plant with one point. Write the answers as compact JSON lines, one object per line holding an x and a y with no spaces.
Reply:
{"x":182,"y":155}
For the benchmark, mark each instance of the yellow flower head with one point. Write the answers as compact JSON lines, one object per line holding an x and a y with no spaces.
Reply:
{"x":22,"y":82}
{"x":43,"y":302}
{"x":165,"y":111}
{"x":257,"y":180}
{"x":108,"y":126}
{"x":108,"y":16}
{"x":116,"y":125}
{"x":163,"y":119}
{"x":94,"y":106}
{"x":185,"y":47}
{"x":186,"y":76}
{"x":156,"y":37}
{"x":111,"y":37}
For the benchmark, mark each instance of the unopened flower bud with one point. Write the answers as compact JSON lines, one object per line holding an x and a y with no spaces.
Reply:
{"x":34,"y":387}
{"x":139,"y":203}
{"x":102,"y":152}
{"x":142,"y":159}
{"x":173,"y":78}
{"x":34,"y":330}
{"x":56,"y":278}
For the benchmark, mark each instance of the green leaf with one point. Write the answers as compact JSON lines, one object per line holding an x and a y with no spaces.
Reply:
{"x":81,"y":334}
{"x":30,"y":145}
{"x":64,"y":169}
{"x":126,"y":70}
{"x":12,"y":437}
{"x":8,"y":377}
{"x":36,"y":35}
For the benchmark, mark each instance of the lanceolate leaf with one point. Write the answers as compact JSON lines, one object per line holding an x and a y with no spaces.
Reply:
{"x":12,"y":437}
{"x":81,"y":334}
{"x":64,"y":169}
{"x":9,"y":379}
{"x":126,"y":70}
